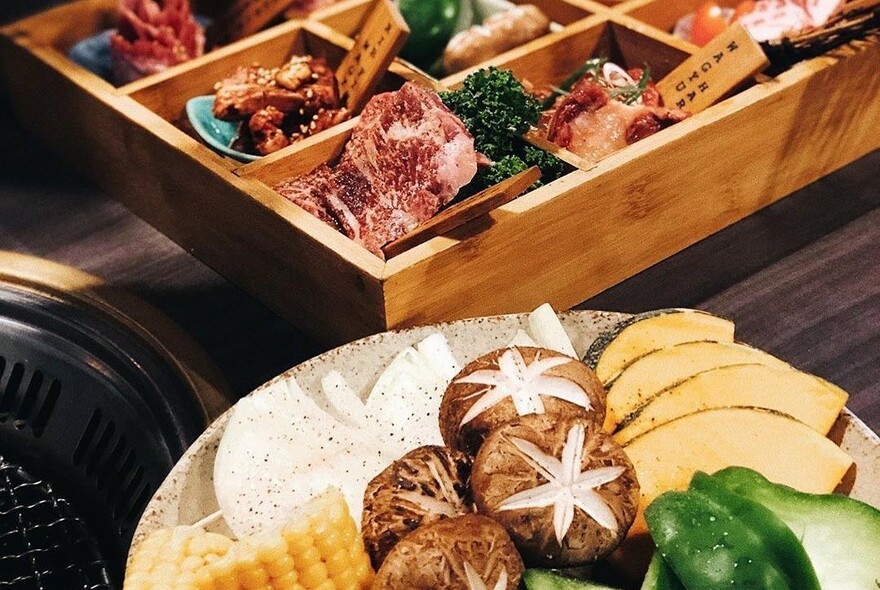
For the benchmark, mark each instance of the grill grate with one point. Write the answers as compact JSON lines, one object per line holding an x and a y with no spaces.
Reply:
{"x":94,"y":401}
{"x":44,"y":545}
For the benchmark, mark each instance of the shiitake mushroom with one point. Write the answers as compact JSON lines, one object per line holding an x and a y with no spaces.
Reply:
{"x":469,"y":552}
{"x":427,"y":484}
{"x":564,"y":490}
{"x":511,"y":382}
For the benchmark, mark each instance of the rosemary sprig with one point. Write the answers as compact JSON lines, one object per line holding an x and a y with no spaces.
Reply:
{"x":630,"y":94}
{"x":593,"y":66}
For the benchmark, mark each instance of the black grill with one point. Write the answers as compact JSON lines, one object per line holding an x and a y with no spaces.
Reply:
{"x":44,"y":545}
{"x":97,"y":413}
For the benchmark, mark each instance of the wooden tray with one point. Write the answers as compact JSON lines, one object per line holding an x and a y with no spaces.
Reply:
{"x":561,"y":243}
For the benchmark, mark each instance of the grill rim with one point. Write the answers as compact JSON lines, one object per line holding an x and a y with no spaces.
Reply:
{"x":168,"y":340}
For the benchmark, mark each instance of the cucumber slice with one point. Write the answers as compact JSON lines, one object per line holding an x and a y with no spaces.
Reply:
{"x":535,"y":579}
{"x":660,"y":576}
{"x":841,"y":535}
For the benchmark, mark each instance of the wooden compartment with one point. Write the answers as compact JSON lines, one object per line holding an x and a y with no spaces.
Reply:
{"x":166,"y":94}
{"x":561,"y":243}
{"x":549,"y":61}
{"x":346,"y":16}
{"x":663,"y":14}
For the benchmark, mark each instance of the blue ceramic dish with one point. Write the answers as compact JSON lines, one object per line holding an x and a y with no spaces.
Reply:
{"x":216,"y":133}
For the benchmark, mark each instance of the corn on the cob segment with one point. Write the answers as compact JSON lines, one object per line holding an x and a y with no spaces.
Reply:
{"x":319,"y":549}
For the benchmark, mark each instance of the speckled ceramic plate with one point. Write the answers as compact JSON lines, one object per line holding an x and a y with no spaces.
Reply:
{"x":187,"y":495}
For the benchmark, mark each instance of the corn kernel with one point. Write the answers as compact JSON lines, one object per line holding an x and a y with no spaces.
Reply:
{"x":321,"y":550}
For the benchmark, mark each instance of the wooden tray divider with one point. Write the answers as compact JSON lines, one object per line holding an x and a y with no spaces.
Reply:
{"x":567,"y":12}
{"x":64,"y":25}
{"x":464,"y":211}
{"x":593,"y":6}
{"x":265,"y":43}
{"x":628,"y":5}
{"x":663,"y":14}
{"x":301,"y":157}
{"x":531,"y":60}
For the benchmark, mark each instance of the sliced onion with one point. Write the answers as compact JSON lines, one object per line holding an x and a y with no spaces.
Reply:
{"x":616,"y":75}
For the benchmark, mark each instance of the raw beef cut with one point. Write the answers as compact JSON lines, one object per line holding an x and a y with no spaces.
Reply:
{"x":407,"y":157}
{"x":153,"y":36}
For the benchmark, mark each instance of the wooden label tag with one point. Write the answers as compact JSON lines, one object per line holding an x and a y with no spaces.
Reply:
{"x":382,"y":35}
{"x":712,"y":72}
{"x":246,"y":17}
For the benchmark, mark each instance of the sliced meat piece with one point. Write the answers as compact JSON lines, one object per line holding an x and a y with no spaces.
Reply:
{"x":590,"y":124}
{"x":308,"y":191}
{"x":407,"y":157}
{"x":265,"y":128}
{"x":151,"y":37}
{"x":650,"y":120}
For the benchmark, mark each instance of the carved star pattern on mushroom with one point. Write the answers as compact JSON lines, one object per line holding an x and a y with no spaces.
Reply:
{"x":523,"y":384}
{"x":567,"y":486}
{"x":475,"y":582}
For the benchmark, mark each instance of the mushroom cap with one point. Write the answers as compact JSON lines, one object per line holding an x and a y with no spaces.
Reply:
{"x":437,"y":556}
{"x":601,"y":508}
{"x":427,"y":484}
{"x":464,"y":424}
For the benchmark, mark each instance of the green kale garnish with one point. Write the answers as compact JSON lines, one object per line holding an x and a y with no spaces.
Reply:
{"x":497,"y":111}
{"x":504,"y":168}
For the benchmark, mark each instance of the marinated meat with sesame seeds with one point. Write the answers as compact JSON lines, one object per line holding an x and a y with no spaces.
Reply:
{"x":279,"y":105}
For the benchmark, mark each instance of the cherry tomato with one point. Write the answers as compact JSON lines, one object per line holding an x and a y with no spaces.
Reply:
{"x":742,"y":8}
{"x":708,"y":23}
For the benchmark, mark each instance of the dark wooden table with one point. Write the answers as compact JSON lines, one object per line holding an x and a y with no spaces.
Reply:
{"x":801,"y":278}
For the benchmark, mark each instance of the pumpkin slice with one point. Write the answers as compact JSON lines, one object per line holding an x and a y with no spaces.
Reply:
{"x":797,"y":394}
{"x":782,"y":449}
{"x":645,"y":332}
{"x":661,"y":369}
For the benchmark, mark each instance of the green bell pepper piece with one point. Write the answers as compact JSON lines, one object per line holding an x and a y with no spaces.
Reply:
{"x":840,"y":534}
{"x":431,"y":24}
{"x":714,"y":539}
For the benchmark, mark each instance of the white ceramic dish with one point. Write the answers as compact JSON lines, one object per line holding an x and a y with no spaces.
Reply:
{"x":187,"y":495}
